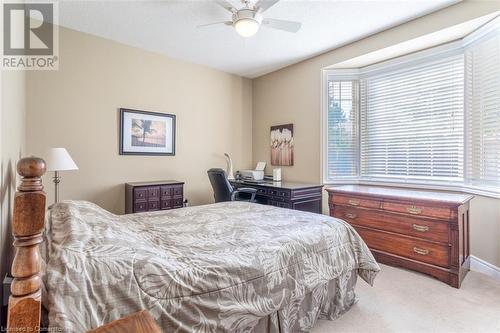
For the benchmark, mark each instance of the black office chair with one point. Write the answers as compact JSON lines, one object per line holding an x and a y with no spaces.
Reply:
{"x":223,"y":191}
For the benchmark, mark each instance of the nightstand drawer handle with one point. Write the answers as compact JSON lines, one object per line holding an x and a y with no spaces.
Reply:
{"x":422,"y":228}
{"x":351,"y":215}
{"x":414,"y":210}
{"x":353,"y":202}
{"x":423,"y":252}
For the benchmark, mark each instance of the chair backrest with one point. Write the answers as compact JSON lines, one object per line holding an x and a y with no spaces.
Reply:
{"x":220,"y":184}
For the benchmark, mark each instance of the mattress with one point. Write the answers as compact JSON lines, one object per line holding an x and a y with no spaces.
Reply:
{"x":225,"y":267}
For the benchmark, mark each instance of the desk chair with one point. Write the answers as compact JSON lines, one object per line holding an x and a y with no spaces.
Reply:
{"x":223,"y":191}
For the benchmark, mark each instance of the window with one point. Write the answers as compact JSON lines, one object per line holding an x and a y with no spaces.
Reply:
{"x":342,"y":129}
{"x":432,"y":119}
{"x":483,"y":113}
{"x":412,"y":122}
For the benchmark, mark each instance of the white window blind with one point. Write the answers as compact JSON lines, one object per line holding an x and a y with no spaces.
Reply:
{"x":412,"y":122}
{"x":483,"y":112}
{"x":342,"y":141}
{"x":429,"y":119}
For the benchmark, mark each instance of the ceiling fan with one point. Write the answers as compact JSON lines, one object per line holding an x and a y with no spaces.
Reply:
{"x":247,"y":20}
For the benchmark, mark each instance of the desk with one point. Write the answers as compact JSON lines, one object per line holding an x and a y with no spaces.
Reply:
{"x":300,"y":196}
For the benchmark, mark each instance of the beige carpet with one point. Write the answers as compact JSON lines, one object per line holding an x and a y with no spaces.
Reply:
{"x":404,"y":301}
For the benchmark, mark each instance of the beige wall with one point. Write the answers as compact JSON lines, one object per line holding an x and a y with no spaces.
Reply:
{"x":292,"y":95}
{"x":77,"y":108}
{"x":12,"y":119}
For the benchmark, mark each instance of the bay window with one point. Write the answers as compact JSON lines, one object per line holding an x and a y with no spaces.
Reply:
{"x":421,"y":120}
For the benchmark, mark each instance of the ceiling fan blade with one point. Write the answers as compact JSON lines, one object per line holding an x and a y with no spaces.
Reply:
{"x":289,"y":26}
{"x":226,"y":5}
{"x":215,"y":23}
{"x":264,"y":5}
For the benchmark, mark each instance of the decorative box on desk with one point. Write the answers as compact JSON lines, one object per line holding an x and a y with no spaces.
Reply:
{"x":419,"y":230}
{"x":150,"y":196}
{"x":300,"y":196}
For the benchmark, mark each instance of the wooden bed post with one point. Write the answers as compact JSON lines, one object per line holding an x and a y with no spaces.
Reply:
{"x":27,"y":228}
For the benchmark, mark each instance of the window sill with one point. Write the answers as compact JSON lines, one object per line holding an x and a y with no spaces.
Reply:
{"x":493,"y":193}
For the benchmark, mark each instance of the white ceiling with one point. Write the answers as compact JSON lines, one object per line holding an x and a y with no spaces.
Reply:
{"x":169,"y":27}
{"x":424,"y":42}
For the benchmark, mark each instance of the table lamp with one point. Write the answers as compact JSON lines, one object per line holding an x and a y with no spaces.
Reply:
{"x":58,"y":159}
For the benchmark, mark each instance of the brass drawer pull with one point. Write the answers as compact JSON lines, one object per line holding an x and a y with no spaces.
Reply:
{"x":423,"y":252}
{"x":351,"y":215}
{"x":353,"y":202}
{"x":414,"y":210}
{"x":422,"y":228}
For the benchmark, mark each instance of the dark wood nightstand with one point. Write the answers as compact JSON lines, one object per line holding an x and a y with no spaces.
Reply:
{"x":151,"y":196}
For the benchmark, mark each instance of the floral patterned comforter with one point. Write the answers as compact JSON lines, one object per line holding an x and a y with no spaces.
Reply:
{"x":213,"y":268}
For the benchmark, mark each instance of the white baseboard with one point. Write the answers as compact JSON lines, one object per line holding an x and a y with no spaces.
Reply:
{"x":481,"y":266}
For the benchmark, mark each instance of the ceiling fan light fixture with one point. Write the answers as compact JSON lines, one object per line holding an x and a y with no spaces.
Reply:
{"x":247,"y":20}
{"x":246,"y":27}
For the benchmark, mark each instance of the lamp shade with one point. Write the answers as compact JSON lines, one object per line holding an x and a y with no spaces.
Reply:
{"x":58,"y":159}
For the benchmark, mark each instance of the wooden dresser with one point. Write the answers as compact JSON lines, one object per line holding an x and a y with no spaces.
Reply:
{"x":419,"y":230}
{"x":151,"y":196}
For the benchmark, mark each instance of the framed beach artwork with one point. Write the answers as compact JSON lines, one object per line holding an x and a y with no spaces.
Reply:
{"x":146,"y":133}
{"x":282,"y":145}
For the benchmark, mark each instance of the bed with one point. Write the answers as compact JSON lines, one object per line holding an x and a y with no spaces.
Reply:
{"x":226,"y":267}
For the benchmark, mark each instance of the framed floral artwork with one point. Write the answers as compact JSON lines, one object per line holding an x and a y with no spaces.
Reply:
{"x":282,"y":145}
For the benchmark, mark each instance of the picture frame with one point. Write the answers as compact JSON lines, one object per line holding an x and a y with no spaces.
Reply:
{"x":282,"y":145}
{"x":146,"y":133}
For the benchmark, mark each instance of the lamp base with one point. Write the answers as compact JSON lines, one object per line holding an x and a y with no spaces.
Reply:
{"x":56,"y":181}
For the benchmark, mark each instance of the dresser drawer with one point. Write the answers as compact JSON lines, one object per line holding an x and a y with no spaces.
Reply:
{"x":420,"y":250}
{"x":167,"y":204}
{"x":153,"y":205}
{"x":279,"y":193}
{"x":177,"y":203}
{"x":166,"y":191}
{"x":140,"y":207}
{"x":355,"y":201}
{"x":406,"y":225}
{"x":283,"y":194}
{"x":418,"y":209}
{"x":261,"y":191}
{"x":153,"y":193}
{"x":272,"y":192}
{"x":283,"y":204}
{"x":140,"y":194}
{"x":177,"y":191}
